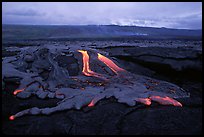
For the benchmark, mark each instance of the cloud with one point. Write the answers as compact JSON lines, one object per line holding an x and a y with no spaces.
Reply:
{"x":152,"y":14}
{"x":27,"y":12}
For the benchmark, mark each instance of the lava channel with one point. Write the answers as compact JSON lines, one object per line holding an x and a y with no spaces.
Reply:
{"x":109,"y":63}
{"x":145,"y":101}
{"x":18,"y":91}
{"x":166,"y":101}
{"x":86,"y":69}
{"x":160,"y":100}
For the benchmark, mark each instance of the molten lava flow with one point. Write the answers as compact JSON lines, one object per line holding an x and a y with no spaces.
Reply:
{"x":109,"y":63}
{"x":12,"y":117}
{"x":91,"y":104}
{"x":166,"y":101}
{"x":17,"y":91}
{"x":145,"y":101}
{"x":86,"y":69}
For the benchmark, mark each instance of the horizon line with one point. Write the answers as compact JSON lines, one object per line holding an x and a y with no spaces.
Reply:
{"x":97,"y":25}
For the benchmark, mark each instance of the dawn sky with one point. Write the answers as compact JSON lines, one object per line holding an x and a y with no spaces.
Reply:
{"x":184,"y":15}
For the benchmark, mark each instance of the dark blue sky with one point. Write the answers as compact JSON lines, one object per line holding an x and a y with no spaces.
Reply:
{"x":186,"y":15}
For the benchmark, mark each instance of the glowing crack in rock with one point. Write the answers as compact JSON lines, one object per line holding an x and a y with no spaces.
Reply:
{"x":51,"y":71}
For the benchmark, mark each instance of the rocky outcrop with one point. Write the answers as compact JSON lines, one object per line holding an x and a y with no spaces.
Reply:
{"x":180,"y":58}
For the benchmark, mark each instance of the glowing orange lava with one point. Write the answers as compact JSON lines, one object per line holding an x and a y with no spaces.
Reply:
{"x":12,"y":117}
{"x":17,"y":91}
{"x":86,"y":68}
{"x":145,"y":101}
{"x":166,"y":101}
{"x":109,"y":63}
{"x":91,"y":104}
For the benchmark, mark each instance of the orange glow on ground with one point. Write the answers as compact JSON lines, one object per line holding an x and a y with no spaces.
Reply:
{"x":145,"y":101}
{"x":109,"y":63}
{"x":166,"y":101}
{"x":12,"y":117}
{"x":86,"y":68}
{"x":17,"y":91}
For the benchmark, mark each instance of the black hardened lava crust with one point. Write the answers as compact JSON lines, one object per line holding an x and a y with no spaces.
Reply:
{"x":107,"y":117}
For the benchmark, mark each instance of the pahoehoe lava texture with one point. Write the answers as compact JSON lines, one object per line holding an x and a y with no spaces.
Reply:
{"x":80,"y":77}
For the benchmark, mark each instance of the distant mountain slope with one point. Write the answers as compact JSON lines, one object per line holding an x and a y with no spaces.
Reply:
{"x":25,"y":32}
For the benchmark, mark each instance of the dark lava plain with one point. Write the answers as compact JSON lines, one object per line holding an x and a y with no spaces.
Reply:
{"x":108,"y":116}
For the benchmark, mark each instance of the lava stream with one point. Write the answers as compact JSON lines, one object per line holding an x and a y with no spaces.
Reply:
{"x":160,"y":100}
{"x":17,"y":91}
{"x":12,"y":117}
{"x":166,"y":101}
{"x":91,"y":104}
{"x":145,"y":101}
{"x":109,"y":63}
{"x":86,"y":69}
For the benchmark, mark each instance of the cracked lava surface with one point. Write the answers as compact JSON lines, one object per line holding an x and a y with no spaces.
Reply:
{"x":81,"y":77}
